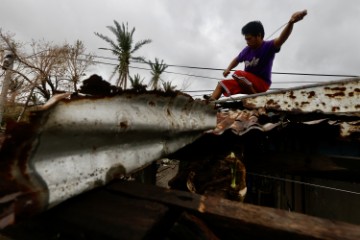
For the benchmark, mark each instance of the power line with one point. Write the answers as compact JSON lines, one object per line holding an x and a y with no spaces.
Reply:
{"x":274,"y":82}
{"x":220,"y":69}
{"x":169,"y":65}
{"x":303,"y":183}
{"x":202,"y":68}
{"x":207,"y":91}
{"x":214,"y":69}
{"x":316,"y":74}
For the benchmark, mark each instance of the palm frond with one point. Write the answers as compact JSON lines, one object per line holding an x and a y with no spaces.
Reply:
{"x":141,"y":43}
{"x":138,"y":59}
{"x":114,"y":72}
{"x":168,"y":87}
{"x":118,"y":27}
{"x":108,"y":40}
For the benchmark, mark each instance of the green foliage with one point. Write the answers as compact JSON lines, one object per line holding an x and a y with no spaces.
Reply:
{"x":123,"y":48}
{"x":137,"y":83}
{"x":168,"y":87}
{"x":157,"y":68}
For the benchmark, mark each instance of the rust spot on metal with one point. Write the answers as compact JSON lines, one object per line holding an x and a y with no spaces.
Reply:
{"x":124,"y":125}
{"x":335,"y":88}
{"x":291,"y":95}
{"x":338,"y":88}
{"x":311,"y":94}
{"x":272,"y":104}
{"x":337,"y":94}
{"x":304,"y":103}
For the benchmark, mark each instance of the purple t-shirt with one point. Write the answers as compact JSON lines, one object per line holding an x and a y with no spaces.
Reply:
{"x":259,"y":61}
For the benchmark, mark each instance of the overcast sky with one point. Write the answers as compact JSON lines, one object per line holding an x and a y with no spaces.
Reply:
{"x":200,"y":33}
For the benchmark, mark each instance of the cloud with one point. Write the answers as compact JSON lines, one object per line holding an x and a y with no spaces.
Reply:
{"x":199,"y":33}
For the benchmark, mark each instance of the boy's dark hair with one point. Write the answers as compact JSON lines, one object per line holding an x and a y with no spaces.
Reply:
{"x":253,"y":28}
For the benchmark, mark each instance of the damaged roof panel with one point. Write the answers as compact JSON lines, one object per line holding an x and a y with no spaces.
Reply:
{"x":84,"y":143}
{"x":336,"y":103}
{"x":337,"y":97}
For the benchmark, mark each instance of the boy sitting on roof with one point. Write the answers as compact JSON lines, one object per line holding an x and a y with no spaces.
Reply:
{"x":258,"y":57}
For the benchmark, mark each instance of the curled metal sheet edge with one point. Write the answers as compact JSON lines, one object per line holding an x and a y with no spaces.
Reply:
{"x":77,"y":145}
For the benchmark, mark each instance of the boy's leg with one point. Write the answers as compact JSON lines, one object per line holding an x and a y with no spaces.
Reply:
{"x":227,"y":87}
{"x":242,"y":83}
{"x":217,"y":92}
{"x":250,"y":83}
{"x":245,"y":84}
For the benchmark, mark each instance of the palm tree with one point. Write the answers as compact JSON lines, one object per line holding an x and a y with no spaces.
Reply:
{"x":137,"y":83}
{"x":123,"y":49}
{"x":168,"y":87}
{"x":157,"y":69}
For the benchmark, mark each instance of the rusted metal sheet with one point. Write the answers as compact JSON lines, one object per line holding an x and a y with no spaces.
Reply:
{"x":84,"y":143}
{"x":336,"y":97}
{"x":337,"y":103}
{"x":242,"y":121}
{"x":348,"y":128}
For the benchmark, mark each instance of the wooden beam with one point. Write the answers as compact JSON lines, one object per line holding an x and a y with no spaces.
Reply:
{"x":257,"y":221}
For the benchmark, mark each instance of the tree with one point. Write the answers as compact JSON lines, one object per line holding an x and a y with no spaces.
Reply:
{"x":123,"y":49}
{"x":157,"y":69}
{"x":77,"y":62}
{"x":8,"y":47}
{"x":137,"y":83}
{"x":48,"y":65}
{"x":168,"y":87}
{"x":49,"y":69}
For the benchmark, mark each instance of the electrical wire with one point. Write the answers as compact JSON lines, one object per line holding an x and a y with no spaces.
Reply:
{"x":303,"y":183}
{"x":212,"y":69}
{"x":218,"y":79}
{"x":220,"y":69}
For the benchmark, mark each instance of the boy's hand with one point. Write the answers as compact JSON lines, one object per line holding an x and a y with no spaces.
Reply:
{"x":298,"y":16}
{"x":226,"y":73}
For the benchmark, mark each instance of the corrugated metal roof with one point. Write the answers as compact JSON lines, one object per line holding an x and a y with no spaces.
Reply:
{"x":83,"y":143}
{"x":336,"y":103}
{"x":335,"y":97}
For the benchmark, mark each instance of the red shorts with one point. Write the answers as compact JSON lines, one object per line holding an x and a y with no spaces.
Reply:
{"x":241,"y":82}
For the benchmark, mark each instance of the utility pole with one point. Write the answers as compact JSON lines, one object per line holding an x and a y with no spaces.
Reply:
{"x":7,"y":66}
